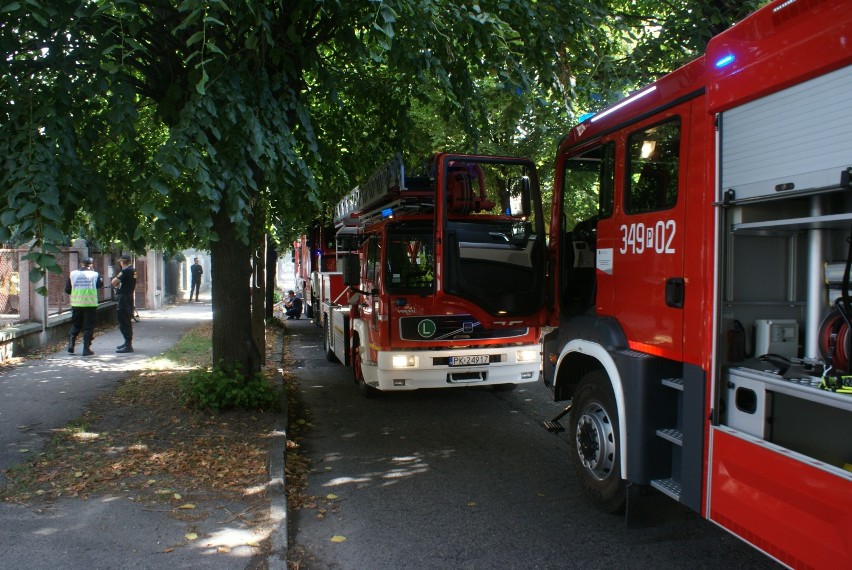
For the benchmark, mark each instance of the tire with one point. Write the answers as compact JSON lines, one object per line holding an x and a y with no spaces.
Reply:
{"x":366,"y":390}
{"x":593,"y":440}
{"x":309,"y":309}
{"x":329,"y":353}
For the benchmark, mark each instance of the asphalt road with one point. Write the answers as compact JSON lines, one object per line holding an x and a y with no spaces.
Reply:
{"x":462,"y":479}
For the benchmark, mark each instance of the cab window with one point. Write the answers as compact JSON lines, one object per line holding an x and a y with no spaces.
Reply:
{"x":652,"y":168}
{"x":374,"y":255}
{"x":409,"y":261}
{"x":589,"y":183}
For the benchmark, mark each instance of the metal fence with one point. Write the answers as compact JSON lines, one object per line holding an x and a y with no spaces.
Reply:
{"x":19,"y":300}
{"x":9,"y":287}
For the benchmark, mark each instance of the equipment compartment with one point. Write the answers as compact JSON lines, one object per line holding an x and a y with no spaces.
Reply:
{"x":779,"y":271}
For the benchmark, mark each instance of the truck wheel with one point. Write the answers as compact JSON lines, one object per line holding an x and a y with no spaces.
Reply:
{"x":329,"y":353}
{"x":309,"y":309}
{"x":366,"y":390}
{"x":593,"y":442}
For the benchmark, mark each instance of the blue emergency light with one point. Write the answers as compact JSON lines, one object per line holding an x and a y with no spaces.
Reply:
{"x":387,"y":213}
{"x":725,"y":61}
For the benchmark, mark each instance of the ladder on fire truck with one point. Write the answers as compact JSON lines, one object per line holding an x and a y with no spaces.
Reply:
{"x":386,"y":192}
{"x":389,"y":192}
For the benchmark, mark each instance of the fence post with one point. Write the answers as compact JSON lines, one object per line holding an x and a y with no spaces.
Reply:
{"x":24,"y":288}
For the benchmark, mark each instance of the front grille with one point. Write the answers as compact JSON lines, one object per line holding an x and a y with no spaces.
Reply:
{"x":451,"y":327}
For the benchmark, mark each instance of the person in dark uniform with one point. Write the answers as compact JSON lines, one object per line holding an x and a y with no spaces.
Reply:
{"x":83,"y":285}
{"x":125,"y":284}
{"x":292,"y":306}
{"x":195,"y":284}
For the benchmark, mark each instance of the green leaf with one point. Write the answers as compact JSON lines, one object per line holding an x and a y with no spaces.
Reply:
{"x":27,"y":209}
{"x":8,"y":218}
{"x":195,"y":38}
{"x":53,"y":234}
{"x":199,"y":87}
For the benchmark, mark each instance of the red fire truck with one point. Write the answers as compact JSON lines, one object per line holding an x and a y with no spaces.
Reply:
{"x":313,"y":252}
{"x":448,"y":270}
{"x":702,"y":316}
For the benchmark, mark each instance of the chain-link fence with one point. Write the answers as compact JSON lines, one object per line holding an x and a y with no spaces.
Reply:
{"x":19,"y":301}
{"x":10,"y":285}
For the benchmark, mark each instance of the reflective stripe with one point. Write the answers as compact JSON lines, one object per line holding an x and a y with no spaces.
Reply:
{"x":84,"y":288}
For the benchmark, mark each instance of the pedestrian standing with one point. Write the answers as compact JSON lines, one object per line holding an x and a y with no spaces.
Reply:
{"x":195,"y":285}
{"x":83,"y":285}
{"x":125,"y":284}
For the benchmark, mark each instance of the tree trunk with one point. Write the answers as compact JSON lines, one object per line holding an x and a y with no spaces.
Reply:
{"x":231,"y":272}
{"x":271,"y":274}
{"x":258,"y":296}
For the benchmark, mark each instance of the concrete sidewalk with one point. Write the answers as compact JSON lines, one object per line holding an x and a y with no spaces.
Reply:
{"x":38,"y":396}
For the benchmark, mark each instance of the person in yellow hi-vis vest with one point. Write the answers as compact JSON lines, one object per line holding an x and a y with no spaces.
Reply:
{"x":83,"y":285}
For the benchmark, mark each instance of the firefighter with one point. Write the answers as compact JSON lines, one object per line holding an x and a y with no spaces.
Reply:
{"x":83,"y":285}
{"x":125,"y":284}
{"x":292,"y":306}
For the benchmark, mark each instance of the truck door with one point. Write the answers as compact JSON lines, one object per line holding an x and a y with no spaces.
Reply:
{"x":641,"y":247}
{"x":372,"y":277}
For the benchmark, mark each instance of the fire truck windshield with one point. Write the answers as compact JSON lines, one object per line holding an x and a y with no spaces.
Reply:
{"x":410,"y":262}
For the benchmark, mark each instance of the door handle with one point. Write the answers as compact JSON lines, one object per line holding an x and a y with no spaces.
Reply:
{"x":675,"y":292}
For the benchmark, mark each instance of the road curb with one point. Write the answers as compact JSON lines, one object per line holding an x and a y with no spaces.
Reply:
{"x":277,"y":559}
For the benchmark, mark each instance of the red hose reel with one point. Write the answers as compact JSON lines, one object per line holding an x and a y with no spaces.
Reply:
{"x":835,"y":341}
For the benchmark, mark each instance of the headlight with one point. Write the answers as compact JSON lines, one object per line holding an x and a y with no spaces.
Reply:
{"x":404,"y":361}
{"x":526,"y":356}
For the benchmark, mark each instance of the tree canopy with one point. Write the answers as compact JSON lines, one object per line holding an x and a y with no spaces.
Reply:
{"x":168,"y":124}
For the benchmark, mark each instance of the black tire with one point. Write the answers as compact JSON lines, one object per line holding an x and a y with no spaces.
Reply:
{"x":366,"y":390}
{"x":309,"y":309}
{"x":593,"y":440}
{"x":329,"y":353}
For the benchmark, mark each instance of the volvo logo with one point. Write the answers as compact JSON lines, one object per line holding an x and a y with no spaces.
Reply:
{"x":426,"y":328}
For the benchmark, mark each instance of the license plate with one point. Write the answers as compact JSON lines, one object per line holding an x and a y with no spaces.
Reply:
{"x":469,"y":360}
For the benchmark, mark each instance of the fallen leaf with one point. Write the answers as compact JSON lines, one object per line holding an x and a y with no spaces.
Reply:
{"x":331,"y":496}
{"x":78,"y":474}
{"x":24,"y":450}
{"x":471,"y":504}
{"x":253,"y":543}
{"x":187,"y":506}
{"x":177,"y":496}
{"x":338,"y":538}
{"x":168,"y":550}
{"x":191,"y":536}
{"x":223,"y":550}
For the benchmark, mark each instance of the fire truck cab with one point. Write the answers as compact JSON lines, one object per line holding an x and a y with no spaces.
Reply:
{"x":447,"y":268}
{"x":702,"y":317}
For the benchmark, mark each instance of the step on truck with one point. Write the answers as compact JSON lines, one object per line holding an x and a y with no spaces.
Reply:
{"x":701,"y":330}
{"x":445,"y":271}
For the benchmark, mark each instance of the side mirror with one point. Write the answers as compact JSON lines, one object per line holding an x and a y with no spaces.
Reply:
{"x":351,"y":269}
